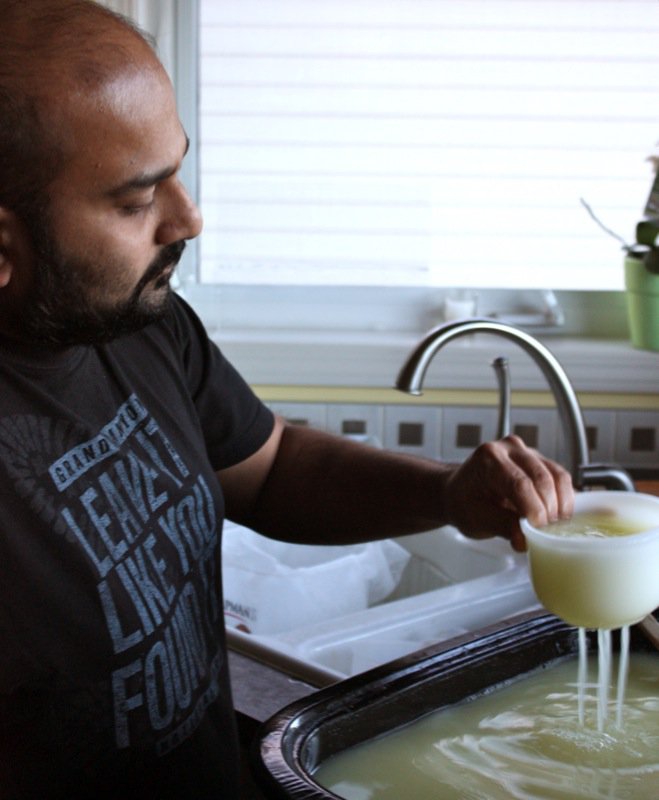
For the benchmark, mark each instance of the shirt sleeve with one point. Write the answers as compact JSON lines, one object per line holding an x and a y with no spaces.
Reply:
{"x":234,"y":421}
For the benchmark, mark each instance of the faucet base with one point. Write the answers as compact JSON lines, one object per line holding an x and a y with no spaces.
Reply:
{"x":607,"y":476}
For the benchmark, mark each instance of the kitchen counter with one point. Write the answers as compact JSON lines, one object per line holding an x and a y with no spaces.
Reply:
{"x":258,"y":692}
{"x":649,"y":487}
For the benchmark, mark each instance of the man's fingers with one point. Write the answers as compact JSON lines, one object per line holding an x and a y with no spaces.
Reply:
{"x":504,"y":481}
{"x":533,"y":488}
{"x":542,"y":489}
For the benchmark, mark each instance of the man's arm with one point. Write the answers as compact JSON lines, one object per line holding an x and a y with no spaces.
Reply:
{"x":310,"y":487}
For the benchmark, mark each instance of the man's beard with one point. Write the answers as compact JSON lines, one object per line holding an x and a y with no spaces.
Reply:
{"x":60,"y":312}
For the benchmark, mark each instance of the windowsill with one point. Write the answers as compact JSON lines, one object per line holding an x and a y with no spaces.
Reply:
{"x":331,"y":337}
{"x":373,"y":359}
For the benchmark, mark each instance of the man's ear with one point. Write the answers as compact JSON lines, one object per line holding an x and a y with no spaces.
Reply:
{"x":14,"y":245}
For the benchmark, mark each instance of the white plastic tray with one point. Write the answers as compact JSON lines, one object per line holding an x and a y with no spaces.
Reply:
{"x":451,"y":585}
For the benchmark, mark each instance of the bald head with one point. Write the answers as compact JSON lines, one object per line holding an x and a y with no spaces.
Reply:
{"x":54,"y":54}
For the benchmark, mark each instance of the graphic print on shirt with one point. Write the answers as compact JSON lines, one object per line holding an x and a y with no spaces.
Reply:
{"x":148,"y":529}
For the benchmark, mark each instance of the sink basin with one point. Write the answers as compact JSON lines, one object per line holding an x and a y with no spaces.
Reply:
{"x":298,"y":739}
{"x":451,"y":585}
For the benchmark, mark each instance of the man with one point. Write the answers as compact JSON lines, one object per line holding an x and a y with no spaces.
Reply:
{"x":126,"y":438}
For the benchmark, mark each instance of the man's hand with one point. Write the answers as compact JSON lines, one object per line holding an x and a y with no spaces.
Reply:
{"x":502,"y":482}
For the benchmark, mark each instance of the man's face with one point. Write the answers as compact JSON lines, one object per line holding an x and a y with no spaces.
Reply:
{"x":59,"y":309}
{"x":116,"y":219}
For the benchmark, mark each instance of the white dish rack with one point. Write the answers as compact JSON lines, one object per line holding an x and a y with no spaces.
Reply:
{"x":451,"y":585}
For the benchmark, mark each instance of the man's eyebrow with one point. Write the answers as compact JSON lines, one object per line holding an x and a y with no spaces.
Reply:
{"x":146,"y":180}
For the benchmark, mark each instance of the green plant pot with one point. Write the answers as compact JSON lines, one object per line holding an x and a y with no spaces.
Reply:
{"x":642,"y":292}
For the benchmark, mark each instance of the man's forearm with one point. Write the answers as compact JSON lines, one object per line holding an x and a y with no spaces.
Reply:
{"x":330,"y":490}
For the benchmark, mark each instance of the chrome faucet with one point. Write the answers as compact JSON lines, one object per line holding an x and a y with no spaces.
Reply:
{"x":411,"y":376}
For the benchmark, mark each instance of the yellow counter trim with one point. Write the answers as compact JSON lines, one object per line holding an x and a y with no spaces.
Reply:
{"x":445,"y":397}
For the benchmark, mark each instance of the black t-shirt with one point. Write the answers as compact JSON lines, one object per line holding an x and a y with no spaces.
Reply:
{"x":113,"y":667}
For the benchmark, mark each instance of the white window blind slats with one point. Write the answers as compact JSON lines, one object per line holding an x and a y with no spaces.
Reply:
{"x":424,"y":142}
{"x":554,"y":107}
{"x":576,"y":76}
{"x":583,"y":136}
{"x":420,"y":162}
{"x":432,"y":42}
{"x":581,"y":75}
{"x":500,"y":14}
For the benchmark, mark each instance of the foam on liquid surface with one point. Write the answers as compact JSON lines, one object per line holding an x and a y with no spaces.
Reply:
{"x":598,"y":524}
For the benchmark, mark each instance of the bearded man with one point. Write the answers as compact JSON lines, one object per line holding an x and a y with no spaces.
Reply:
{"x":126,"y":438}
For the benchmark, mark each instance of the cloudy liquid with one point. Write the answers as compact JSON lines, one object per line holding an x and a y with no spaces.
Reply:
{"x":525,"y":741}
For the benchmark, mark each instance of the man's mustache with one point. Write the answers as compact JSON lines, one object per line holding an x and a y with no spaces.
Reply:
{"x":169,"y":256}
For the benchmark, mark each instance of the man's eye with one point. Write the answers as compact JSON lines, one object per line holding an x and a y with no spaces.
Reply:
{"x":136,"y":208}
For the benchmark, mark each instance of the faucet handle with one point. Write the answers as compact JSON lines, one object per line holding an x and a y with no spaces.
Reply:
{"x":608,"y":476}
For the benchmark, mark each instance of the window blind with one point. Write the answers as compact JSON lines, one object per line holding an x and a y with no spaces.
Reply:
{"x":424,"y":142}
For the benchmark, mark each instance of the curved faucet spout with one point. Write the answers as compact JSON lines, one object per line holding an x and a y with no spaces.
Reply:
{"x":411,"y":376}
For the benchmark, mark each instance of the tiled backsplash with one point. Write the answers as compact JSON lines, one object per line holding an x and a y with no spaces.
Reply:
{"x":628,"y":437}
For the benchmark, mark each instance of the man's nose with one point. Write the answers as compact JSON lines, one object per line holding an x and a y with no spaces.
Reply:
{"x":182,"y":218}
